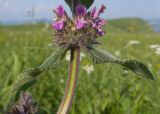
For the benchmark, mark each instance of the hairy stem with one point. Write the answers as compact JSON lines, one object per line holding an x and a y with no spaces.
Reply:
{"x":71,"y":83}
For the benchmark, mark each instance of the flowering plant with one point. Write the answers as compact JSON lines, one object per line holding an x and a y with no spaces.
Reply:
{"x":76,"y":34}
{"x":82,"y":31}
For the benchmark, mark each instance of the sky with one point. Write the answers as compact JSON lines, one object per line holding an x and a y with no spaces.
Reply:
{"x":19,"y":9}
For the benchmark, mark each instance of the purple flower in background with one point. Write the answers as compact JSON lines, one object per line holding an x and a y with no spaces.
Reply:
{"x":25,"y":105}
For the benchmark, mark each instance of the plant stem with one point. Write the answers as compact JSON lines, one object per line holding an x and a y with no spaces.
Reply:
{"x":71,"y":83}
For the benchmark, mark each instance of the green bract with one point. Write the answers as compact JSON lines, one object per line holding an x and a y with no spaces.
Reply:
{"x":73,"y":3}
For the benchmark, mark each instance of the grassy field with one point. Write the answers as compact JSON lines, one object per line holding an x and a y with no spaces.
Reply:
{"x":107,"y":90}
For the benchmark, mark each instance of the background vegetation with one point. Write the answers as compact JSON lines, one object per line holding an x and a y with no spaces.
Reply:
{"x":107,"y":90}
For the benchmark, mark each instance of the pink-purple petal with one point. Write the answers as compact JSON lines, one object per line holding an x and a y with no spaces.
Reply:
{"x":80,"y":23}
{"x":100,"y":32}
{"x":102,"y":8}
{"x":58,"y":25}
{"x":101,"y":22}
{"x":81,"y":10}
{"x":93,"y":12}
{"x":60,"y":11}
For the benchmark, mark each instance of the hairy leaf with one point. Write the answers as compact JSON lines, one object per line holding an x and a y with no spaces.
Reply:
{"x":51,"y":63}
{"x":99,"y":56}
{"x":54,"y":60}
{"x":137,"y":67}
{"x":73,"y":3}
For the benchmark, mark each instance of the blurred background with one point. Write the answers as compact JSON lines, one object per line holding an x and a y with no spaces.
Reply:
{"x":133,"y":31}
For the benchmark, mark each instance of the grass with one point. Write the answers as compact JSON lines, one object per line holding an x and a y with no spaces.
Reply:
{"x":107,"y":90}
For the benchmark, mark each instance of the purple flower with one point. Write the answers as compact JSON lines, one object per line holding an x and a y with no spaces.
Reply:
{"x":102,"y":8}
{"x":80,"y":13}
{"x":82,"y":18}
{"x":80,"y":23}
{"x":100,"y":32}
{"x":58,"y":25}
{"x":60,"y":11}
{"x":101,"y":22}
{"x":98,"y":23}
{"x":95,"y":13}
{"x":81,"y":10}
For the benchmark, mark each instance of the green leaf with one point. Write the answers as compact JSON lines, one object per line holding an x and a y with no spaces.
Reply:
{"x":54,"y":60}
{"x":26,"y":77}
{"x":51,"y":63}
{"x":99,"y":56}
{"x":137,"y":67}
{"x":73,"y":3}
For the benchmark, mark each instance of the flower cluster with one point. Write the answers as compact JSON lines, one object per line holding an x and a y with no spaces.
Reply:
{"x":82,"y":30}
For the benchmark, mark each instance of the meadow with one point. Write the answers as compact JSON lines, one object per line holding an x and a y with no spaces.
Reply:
{"x":108,"y":89}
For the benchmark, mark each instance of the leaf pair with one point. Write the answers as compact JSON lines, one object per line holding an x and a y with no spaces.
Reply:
{"x":99,"y":56}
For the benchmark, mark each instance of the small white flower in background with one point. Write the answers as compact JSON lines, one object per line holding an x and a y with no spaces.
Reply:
{"x":157,"y":51}
{"x":50,"y":45}
{"x":82,"y":55}
{"x":117,"y":53}
{"x":68,"y":56}
{"x":154,"y":46}
{"x":149,"y":65}
{"x":134,"y":42}
{"x":88,"y":68}
{"x":62,"y":81}
{"x":125,"y":71}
